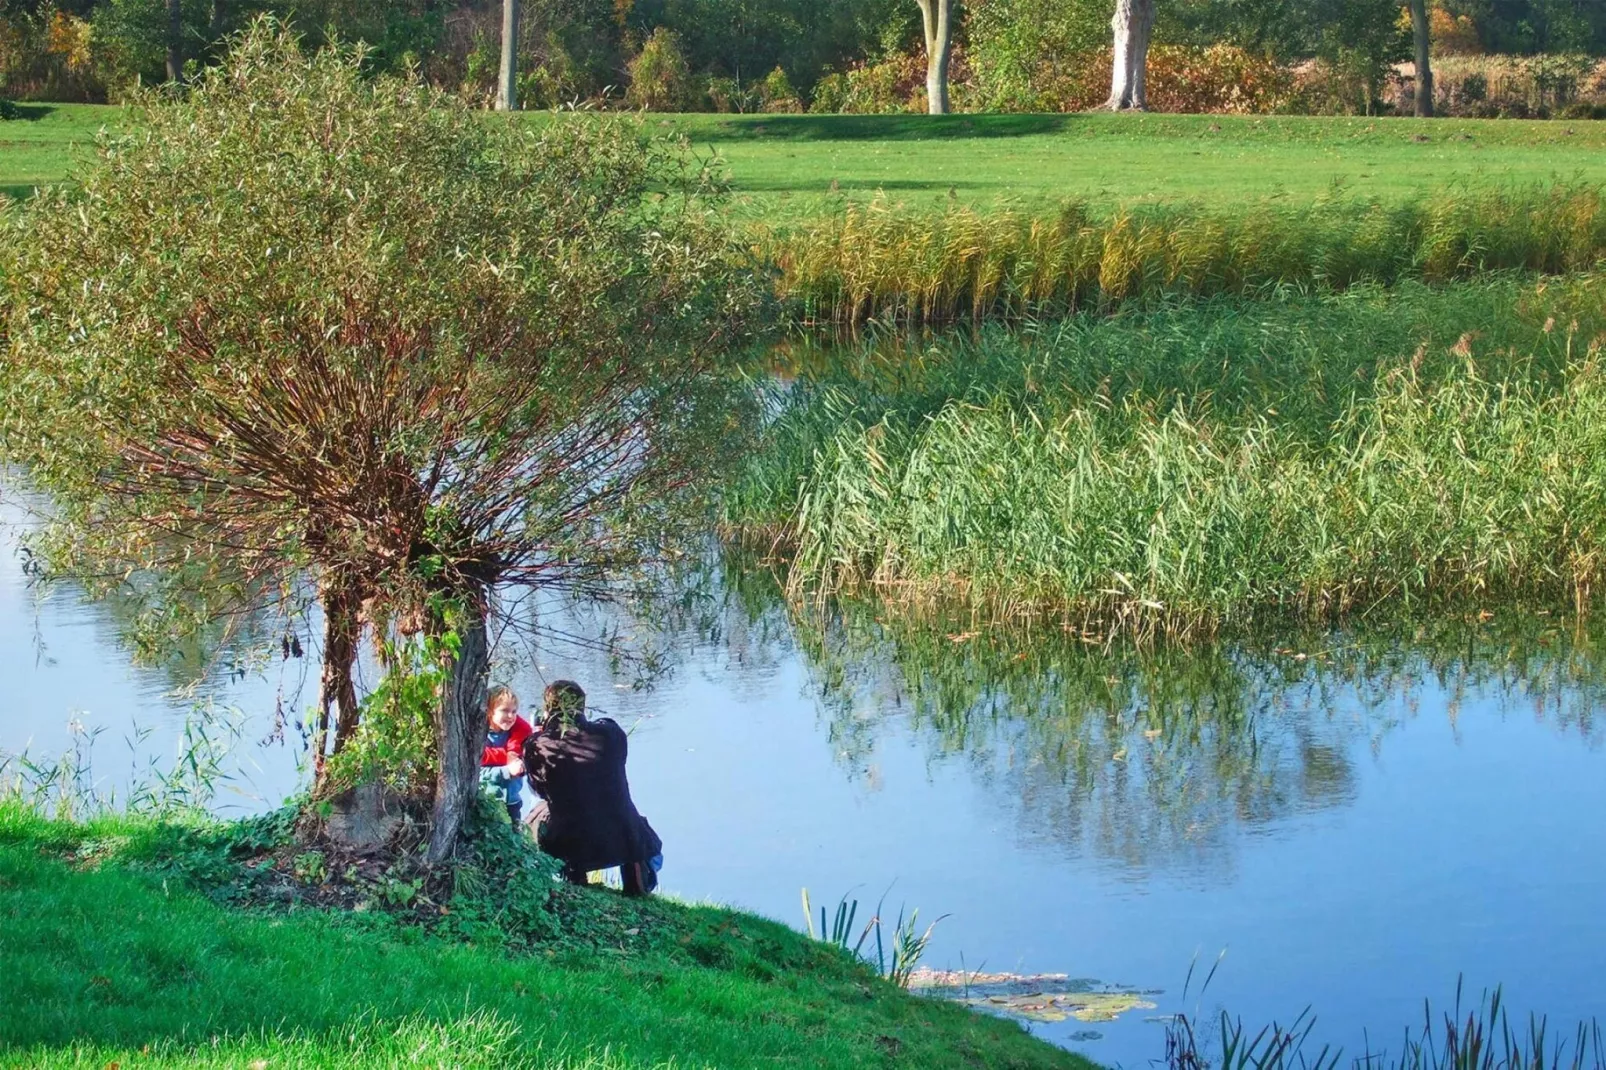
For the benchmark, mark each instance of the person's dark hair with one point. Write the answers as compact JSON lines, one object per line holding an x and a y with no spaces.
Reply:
{"x":563,"y":698}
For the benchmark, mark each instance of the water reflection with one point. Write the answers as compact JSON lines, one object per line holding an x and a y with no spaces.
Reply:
{"x":1156,"y":757}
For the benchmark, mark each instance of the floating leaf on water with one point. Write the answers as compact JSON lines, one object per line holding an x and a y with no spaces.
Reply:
{"x":1033,"y":997}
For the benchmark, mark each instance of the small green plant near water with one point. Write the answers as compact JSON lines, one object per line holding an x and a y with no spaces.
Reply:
{"x":394,"y":739}
{"x":68,"y":786}
{"x":896,"y":955}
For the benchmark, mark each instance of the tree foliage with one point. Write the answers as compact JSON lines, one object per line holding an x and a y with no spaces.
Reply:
{"x":310,"y":324}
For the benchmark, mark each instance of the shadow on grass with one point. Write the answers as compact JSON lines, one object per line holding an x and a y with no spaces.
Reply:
{"x":845,"y":184}
{"x":30,"y":113}
{"x":892,"y":127}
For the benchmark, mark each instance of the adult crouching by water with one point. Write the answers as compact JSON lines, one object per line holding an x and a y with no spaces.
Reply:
{"x":577,"y":766}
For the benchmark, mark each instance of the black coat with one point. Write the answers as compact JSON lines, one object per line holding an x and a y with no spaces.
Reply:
{"x":591,"y":822}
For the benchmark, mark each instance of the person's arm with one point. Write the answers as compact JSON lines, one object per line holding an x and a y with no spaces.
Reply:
{"x":494,"y":755}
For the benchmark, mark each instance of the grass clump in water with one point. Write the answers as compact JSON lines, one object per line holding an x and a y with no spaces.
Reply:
{"x":1102,"y":485}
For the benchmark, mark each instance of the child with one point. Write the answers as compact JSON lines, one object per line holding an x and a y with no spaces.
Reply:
{"x":505,"y":733}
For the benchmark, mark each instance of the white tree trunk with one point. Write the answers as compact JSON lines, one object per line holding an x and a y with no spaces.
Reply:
{"x":938,"y":18}
{"x":1132,"y":26}
{"x":507,"y":88}
{"x":1424,"y":69}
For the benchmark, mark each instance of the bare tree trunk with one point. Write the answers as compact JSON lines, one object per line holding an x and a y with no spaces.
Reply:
{"x":1132,"y":26}
{"x":460,"y":730}
{"x":341,"y":630}
{"x":175,"y":32}
{"x":1424,"y":70}
{"x":938,"y":19}
{"x":507,"y":89}
{"x":341,"y":604}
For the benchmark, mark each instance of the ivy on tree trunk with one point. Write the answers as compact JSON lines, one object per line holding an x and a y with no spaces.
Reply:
{"x":460,"y":725}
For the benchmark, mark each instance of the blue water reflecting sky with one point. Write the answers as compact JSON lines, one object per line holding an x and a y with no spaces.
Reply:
{"x":1372,"y":848}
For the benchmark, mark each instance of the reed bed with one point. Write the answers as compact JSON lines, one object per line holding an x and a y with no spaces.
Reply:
{"x":1462,"y":469}
{"x":883,"y":262}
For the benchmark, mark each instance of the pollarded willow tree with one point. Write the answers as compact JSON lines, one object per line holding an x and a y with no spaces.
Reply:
{"x":306,"y":325}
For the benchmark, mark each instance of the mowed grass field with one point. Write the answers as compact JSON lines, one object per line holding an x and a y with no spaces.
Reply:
{"x":786,"y":167}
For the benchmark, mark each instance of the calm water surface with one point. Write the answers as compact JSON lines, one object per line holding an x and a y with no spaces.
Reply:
{"x":1355,"y":828}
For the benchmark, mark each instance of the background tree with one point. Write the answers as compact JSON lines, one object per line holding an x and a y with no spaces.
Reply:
{"x":507,"y":85}
{"x":312,"y":325}
{"x":1133,"y":27}
{"x":937,"y":19}
{"x":1424,"y":68}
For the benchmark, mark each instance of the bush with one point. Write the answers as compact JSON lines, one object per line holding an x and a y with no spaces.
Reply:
{"x":9,"y":110}
{"x":777,"y":94}
{"x":660,"y":79}
{"x":728,"y":95}
{"x":896,"y":84}
{"x":1220,"y":78}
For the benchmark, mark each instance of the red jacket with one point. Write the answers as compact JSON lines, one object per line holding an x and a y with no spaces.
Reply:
{"x":513,"y":748}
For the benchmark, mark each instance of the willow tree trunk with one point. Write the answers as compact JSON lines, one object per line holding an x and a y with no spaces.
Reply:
{"x":341,"y":603}
{"x":460,"y":729}
{"x":507,"y":86}
{"x":1132,"y":25}
{"x":937,"y":16}
{"x":175,"y":32}
{"x":1424,"y":70}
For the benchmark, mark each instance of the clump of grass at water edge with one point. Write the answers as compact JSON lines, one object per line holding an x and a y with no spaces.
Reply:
{"x":883,"y":262}
{"x":1110,"y":477}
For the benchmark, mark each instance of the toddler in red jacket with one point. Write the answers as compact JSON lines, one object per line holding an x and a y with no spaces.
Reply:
{"x":502,"y":761}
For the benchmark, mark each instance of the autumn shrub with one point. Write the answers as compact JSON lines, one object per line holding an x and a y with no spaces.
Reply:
{"x":47,"y":55}
{"x":777,"y":93}
{"x":1219,"y":78}
{"x":660,"y":79}
{"x":727,"y":95}
{"x":1519,"y":87}
{"x":896,"y":84}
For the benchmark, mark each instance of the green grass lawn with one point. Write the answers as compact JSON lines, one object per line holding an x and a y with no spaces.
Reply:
{"x":789,"y":166}
{"x":108,"y":959}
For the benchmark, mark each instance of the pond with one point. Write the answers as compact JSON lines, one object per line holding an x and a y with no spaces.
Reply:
{"x":1355,"y":819}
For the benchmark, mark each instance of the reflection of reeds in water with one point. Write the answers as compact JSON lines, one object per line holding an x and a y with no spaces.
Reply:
{"x":1155,"y":756}
{"x":1467,"y":470}
{"x":1482,"y":1038}
{"x":884,"y":262}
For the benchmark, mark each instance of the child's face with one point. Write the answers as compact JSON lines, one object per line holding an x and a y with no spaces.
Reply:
{"x":503,"y":713}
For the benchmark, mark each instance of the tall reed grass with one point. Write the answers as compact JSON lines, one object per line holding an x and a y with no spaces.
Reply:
{"x":1459,"y":470}
{"x":883,"y":262}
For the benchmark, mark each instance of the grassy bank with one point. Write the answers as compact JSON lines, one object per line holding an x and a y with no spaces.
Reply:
{"x":1207,"y":465}
{"x":786,"y":168}
{"x":112,"y":956}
